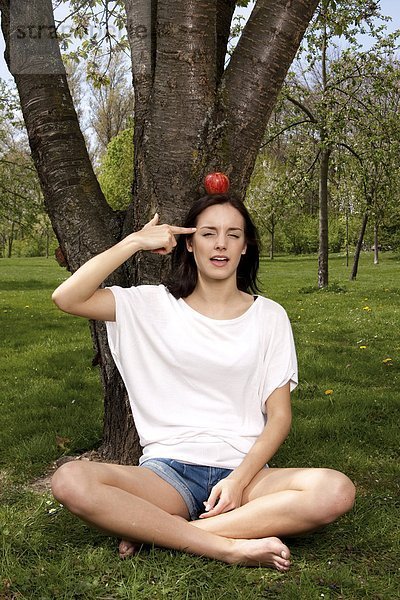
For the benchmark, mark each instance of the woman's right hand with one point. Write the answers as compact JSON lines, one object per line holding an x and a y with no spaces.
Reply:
{"x":159,"y":239}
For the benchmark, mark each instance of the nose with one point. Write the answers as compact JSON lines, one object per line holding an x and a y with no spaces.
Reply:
{"x":220,"y":242}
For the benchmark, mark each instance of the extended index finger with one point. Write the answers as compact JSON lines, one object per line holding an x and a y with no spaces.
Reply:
{"x":180,"y":230}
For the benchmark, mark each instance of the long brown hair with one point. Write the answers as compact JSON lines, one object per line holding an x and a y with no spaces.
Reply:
{"x":182,"y":278}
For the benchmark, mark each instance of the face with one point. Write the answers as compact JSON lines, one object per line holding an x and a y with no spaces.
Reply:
{"x":219,"y":242}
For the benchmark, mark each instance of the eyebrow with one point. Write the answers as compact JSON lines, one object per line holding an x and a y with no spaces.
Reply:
{"x":215,"y":228}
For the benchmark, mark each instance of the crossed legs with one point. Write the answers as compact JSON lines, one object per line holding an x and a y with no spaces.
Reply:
{"x":137,"y":505}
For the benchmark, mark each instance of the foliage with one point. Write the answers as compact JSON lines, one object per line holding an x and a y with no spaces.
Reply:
{"x":111,"y":103}
{"x":373,"y":132}
{"x":23,"y":221}
{"x":346,"y":102}
{"x":98,"y":27}
{"x":269,"y":196}
{"x":115,"y":173}
{"x":49,"y":389}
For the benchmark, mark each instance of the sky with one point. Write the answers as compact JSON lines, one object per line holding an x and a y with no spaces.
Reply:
{"x":388,"y":7}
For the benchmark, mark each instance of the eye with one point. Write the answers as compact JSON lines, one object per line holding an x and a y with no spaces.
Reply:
{"x":234,"y":235}
{"x":208,"y":234}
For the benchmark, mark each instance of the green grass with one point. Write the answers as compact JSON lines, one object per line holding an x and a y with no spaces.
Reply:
{"x":48,"y":388}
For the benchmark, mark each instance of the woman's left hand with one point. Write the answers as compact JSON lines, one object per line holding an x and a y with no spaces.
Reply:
{"x":225,"y":495}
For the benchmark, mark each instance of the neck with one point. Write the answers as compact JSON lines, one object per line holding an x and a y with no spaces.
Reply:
{"x":215,"y":292}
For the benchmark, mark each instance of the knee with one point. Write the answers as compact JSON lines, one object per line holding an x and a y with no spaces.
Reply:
{"x":68,"y":485}
{"x":338,"y":495}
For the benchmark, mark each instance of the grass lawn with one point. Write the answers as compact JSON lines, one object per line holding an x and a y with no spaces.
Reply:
{"x":345,"y":417}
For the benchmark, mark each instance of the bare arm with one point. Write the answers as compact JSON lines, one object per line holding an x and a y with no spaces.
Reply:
{"x":80,"y":294}
{"x":229,"y":491}
{"x":279,"y":413}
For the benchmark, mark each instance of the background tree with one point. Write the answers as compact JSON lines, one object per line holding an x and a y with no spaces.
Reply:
{"x":270,"y":195}
{"x":373,"y":135}
{"x":21,"y":206}
{"x":115,"y":172}
{"x":313,"y":91}
{"x":24,"y":225}
{"x":111,"y":102}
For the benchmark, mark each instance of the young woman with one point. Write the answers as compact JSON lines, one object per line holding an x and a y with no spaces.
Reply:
{"x":208,"y":368}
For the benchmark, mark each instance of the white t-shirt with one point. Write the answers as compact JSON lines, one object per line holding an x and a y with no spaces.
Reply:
{"x":197,"y":386}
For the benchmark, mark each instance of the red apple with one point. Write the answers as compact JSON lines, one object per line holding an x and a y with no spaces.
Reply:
{"x":216,"y":183}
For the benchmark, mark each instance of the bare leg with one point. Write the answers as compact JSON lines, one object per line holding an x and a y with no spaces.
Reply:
{"x":285,"y":502}
{"x":126,"y":548}
{"x":135,"y":504}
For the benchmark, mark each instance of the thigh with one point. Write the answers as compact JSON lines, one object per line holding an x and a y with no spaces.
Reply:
{"x":138,"y":481}
{"x":271,"y":480}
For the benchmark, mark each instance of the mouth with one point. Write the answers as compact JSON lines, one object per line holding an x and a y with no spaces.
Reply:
{"x":219,"y":261}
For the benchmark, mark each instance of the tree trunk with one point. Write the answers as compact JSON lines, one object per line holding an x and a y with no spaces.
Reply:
{"x":272,"y":231}
{"x":10,"y":240}
{"x":323,"y":251}
{"x":191,"y":116}
{"x":323,"y":220}
{"x":376,"y":243}
{"x":347,"y":237}
{"x":357,"y":252}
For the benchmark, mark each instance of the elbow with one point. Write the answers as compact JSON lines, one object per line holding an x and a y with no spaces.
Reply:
{"x":286,"y":426}
{"x":281,"y":421}
{"x":56,"y":298}
{"x":60,"y":301}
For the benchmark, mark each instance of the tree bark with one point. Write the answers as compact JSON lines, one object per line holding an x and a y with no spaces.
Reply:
{"x":10,"y":240}
{"x":173,"y":98}
{"x":272,"y":231}
{"x":357,"y":252}
{"x":376,"y":243}
{"x":225,"y":10}
{"x":323,"y":253}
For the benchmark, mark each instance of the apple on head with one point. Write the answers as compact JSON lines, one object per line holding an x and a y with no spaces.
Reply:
{"x":216,"y":183}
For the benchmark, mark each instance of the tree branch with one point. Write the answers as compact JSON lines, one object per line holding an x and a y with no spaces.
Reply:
{"x":352,"y":151}
{"x":271,"y":139}
{"x":141,"y":20}
{"x":302,"y":106}
{"x":252,"y":81}
{"x":15,"y":164}
{"x":14,"y":193}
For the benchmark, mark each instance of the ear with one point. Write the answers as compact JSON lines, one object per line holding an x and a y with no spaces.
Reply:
{"x":189,"y":244}
{"x":244,"y":249}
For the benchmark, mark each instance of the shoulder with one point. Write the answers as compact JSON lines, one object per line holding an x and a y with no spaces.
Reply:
{"x":270,"y":308}
{"x":272,"y":318}
{"x":145,"y":292}
{"x":141,"y":298}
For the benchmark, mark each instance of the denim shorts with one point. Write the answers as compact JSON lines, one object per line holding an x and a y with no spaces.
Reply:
{"x":193,"y":482}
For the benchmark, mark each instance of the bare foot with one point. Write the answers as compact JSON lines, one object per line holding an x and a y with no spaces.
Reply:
{"x":126,"y":549}
{"x":265,"y":552}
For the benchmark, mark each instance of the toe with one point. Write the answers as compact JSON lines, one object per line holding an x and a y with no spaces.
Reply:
{"x":126,"y":549}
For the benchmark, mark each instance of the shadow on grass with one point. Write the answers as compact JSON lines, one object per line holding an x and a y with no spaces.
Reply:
{"x":20,"y":286}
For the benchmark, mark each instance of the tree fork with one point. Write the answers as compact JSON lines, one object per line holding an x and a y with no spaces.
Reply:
{"x":251,"y":84}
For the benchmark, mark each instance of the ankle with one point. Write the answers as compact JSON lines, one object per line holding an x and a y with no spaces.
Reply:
{"x":232,"y":554}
